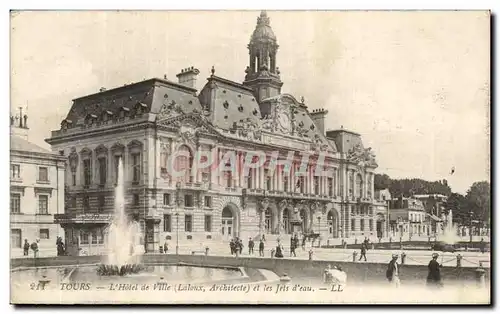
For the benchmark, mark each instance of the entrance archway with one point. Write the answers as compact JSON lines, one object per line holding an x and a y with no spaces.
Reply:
{"x":332,"y":220}
{"x":304,"y":217}
{"x":287,"y":216}
{"x":229,"y":221}
{"x":380,"y":225}
{"x":271,"y":221}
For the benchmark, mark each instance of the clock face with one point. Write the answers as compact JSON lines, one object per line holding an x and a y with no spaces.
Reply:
{"x":284,"y":121}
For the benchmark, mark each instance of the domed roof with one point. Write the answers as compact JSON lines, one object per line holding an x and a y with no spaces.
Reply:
{"x":263,"y":30}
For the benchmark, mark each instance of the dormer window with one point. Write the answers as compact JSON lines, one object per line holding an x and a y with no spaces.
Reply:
{"x":106,"y":115}
{"x":124,"y":112}
{"x":66,"y":124}
{"x":240,"y":108}
{"x":226,"y":104}
{"x":140,"y":108}
{"x":90,"y":119}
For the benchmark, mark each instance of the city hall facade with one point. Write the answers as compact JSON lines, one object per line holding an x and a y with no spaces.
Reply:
{"x":148,"y":122}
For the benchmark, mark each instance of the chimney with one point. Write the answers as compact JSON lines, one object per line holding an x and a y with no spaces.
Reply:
{"x":187,"y":77}
{"x":19,"y":125}
{"x":318,"y":117}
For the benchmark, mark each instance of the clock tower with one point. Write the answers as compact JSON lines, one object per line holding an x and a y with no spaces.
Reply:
{"x":262,"y":74}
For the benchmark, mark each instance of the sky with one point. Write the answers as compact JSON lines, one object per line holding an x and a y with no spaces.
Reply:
{"x":415,"y":85}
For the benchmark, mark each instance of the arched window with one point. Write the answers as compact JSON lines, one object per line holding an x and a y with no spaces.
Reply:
{"x":359,"y":185}
{"x":184,"y":162}
{"x":267,"y":221}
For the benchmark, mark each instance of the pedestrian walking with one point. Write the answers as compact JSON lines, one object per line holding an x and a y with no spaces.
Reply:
{"x":250,"y":246}
{"x":26,"y":247}
{"x":392,"y":273}
{"x":165,"y":247}
{"x":34,"y":247}
{"x":240,"y":245}
{"x":261,"y":248}
{"x":434,"y":275}
{"x":232,"y":246}
{"x":363,"y":252}
{"x":292,"y":247}
{"x":279,"y":250}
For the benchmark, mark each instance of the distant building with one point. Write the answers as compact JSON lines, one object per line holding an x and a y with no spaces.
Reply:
{"x":434,"y":206}
{"x":408,"y":218}
{"x":36,"y":192}
{"x":382,"y":209}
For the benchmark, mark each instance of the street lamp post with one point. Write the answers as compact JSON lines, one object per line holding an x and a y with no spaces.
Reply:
{"x":177,"y":231}
{"x":319,"y":231}
{"x":470,"y":227}
{"x":178,"y":202}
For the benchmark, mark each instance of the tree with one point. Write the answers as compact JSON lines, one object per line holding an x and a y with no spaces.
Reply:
{"x":459,"y":206}
{"x":381,"y":181}
{"x":478,"y":197}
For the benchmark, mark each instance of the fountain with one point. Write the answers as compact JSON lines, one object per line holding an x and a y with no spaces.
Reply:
{"x":450,"y":232}
{"x":123,"y":241}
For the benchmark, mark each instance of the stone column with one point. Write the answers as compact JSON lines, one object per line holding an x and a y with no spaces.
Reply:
{"x":219,"y":176}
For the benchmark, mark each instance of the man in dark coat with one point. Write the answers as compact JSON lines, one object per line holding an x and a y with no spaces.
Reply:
{"x":232,"y":246}
{"x":26,"y":247}
{"x":261,"y":248}
{"x":434,"y":275}
{"x":392,"y":273}
{"x":250,"y":246}
{"x":363,"y":252}
{"x":292,"y":247}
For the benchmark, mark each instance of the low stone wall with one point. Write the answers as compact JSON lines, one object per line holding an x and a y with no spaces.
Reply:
{"x":357,"y":272}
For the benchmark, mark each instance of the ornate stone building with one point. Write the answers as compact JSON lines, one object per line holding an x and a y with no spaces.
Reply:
{"x":149,"y":122}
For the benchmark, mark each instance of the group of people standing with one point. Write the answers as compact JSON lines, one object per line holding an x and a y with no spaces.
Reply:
{"x":433,"y":275}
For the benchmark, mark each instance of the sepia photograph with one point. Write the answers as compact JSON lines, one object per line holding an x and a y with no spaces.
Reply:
{"x":250,"y":157}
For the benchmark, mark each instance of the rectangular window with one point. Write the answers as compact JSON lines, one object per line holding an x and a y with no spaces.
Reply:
{"x":188,"y":223}
{"x":84,"y":237}
{"x":73,"y":178}
{"x":136,"y":167}
{"x":136,"y":199}
{"x":166,"y":199}
{"x":86,"y":203}
{"x":167,"y":223}
{"x":208,"y":223}
{"x":43,"y":204}
{"x":208,"y":201}
{"x":15,"y":171}
{"x":229,"y":179}
{"x":353,"y":224}
{"x":94,"y":237}
{"x":15,"y":203}
{"x":371,"y":224}
{"x":362,"y":225}
{"x":103,"y":174}
{"x":117,"y":164}
{"x":330,"y":186}
{"x":87,"y":172}
{"x":268,"y":179}
{"x":188,"y":200}
{"x":316,"y":185}
{"x":44,"y":234}
{"x":73,"y":202}
{"x":102,"y":202}
{"x":15,"y":238}
{"x":285,"y":182}
{"x":43,"y":174}
{"x":250,"y":179}
{"x":335,"y":185}
{"x":300,"y":184}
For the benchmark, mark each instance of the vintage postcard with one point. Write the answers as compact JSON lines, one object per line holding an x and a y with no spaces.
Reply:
{"x":270,"y":157}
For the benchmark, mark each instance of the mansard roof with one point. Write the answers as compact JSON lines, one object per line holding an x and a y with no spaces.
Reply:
{"x":149,"y":95}
{"x":230,"y":103}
